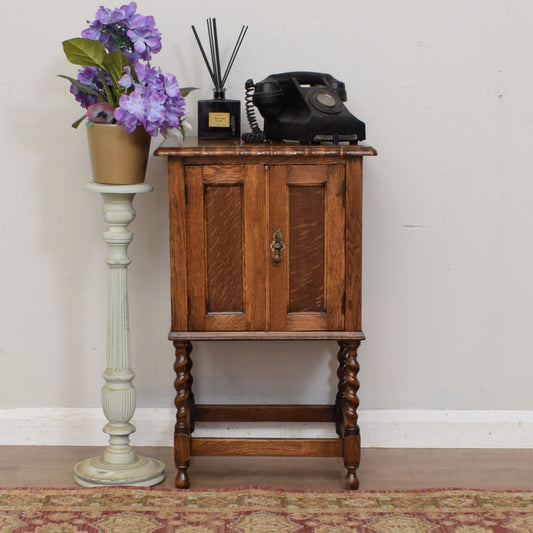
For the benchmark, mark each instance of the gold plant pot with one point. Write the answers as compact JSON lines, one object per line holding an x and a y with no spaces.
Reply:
{"x":118,"y":157}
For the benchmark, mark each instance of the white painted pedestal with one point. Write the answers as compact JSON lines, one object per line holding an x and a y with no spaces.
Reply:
{"x":119,"y":465}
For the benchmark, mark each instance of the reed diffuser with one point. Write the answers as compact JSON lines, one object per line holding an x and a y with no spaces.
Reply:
{"x":218,"y":118}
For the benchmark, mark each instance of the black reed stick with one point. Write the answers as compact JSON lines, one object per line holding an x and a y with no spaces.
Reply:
{"x":214,"y":64}
{"x":217,"y":55}
{"x":203,"y":55}
{"x":214,"y":69}
{"x":236,"y":49}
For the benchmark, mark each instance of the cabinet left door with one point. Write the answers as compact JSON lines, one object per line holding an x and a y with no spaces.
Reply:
{"x":226,"y":254}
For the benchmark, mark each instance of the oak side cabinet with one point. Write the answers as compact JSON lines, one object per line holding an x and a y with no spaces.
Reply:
{"x":265,"y":244}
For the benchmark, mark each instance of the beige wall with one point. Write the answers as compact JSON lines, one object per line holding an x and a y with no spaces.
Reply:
{"x":445,"y":90}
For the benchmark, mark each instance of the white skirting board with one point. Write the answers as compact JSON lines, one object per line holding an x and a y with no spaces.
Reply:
{"x":411,"y":428}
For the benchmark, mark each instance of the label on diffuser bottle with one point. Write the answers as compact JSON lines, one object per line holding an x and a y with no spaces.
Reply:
{"x":219,"y":120}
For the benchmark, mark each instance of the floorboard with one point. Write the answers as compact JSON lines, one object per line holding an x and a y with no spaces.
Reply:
{"x":381,"y":468}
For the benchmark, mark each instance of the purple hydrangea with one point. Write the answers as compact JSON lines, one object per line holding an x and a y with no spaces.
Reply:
{"x":123,"y":29}
{"x":155,"y":103}
{"x":144,"y":96}
{"x":144,"y":35}
{"x":89,"y":76}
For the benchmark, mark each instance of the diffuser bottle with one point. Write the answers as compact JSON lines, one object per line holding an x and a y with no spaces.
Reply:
{"x":219,"y":118}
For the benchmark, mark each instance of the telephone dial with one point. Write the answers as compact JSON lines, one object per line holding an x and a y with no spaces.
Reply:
{"x":301,"y":106}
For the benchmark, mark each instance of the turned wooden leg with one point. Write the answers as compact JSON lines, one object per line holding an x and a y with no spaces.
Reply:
{"x":352,"y":440}
{"x":339,"y":401}
{"x":189,"y":386}
{"x":182,"y":436}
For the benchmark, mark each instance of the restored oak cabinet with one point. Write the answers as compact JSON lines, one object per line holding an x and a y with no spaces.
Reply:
{"x":265,"y":243}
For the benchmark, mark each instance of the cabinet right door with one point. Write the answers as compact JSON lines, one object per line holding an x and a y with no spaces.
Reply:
{"x":306,"y":223}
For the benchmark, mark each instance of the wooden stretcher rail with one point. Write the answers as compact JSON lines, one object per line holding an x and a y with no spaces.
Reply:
{"x":267,"y":447}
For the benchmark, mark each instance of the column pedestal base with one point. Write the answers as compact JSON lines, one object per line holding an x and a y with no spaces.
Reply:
{"x":142,"y":472}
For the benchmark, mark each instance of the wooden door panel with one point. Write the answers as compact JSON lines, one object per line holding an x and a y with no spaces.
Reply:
{"x":225,"y":213}
{"x":306,"y":252}
{"x":224,"y":248}
{"x":306,"y":289}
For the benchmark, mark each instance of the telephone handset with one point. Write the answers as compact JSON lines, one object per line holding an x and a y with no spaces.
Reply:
{"x":301,"y":106}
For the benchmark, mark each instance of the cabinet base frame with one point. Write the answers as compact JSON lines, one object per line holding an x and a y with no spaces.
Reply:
{"x":343,"y":413}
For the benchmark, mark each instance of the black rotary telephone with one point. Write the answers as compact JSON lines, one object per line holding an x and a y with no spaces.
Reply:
{"x":301,"y":106}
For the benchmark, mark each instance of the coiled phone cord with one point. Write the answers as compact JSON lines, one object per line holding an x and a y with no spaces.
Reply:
{"x":256,"y":135}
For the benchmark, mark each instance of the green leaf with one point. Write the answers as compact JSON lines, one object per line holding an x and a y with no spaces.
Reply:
{"x":114,"y":64}
{"x":82,"y":87}
{"x":79,"y":121}
{"x":186,"y":90}
{"x":110,"y":95}
{"x":85,"y":52}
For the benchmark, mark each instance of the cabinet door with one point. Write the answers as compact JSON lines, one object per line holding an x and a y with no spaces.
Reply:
{"x":306,"y":288}
{"x":226,"y":256}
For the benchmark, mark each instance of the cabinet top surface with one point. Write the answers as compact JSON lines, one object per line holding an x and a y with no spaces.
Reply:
{"x":192,"y":147}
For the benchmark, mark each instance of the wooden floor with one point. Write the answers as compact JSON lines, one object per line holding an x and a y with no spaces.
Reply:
{"x":51,"y":466}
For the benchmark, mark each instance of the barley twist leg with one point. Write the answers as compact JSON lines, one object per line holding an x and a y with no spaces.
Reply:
{"x":352,"y":440}
{"x":341,"y":397}
{"x":182,"y":437}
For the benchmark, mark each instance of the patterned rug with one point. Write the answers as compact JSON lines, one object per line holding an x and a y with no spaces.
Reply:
{"x":262,"y":510}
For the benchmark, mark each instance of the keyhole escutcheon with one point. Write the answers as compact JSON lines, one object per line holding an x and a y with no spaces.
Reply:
{"x":277,"y":246}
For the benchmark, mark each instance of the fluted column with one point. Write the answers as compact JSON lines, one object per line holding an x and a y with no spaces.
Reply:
{"x":119,"y":465}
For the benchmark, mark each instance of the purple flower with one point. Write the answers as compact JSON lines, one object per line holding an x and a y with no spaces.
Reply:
{"x":144,"y":35}
{"x":127,"y":80}
{"x":131,"y":111}
{"x":105,"y":16}
{"x":89,"y":77}
{"x":174,"y":112}
{"x":94,"y":31}
{"x":171,"y":85}
{"x":155,"y":103}
{"x":83,"y":98}
{"x":122,"y":13}
{"x":122,"y":29}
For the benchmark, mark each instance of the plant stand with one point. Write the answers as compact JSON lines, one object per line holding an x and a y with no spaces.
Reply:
{"x":119,"y":465}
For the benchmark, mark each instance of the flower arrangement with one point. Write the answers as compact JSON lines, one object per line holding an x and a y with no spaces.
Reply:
{"x":116,"y":83}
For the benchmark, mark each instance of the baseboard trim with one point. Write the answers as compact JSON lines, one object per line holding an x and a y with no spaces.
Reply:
{"x":400,"y":428}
